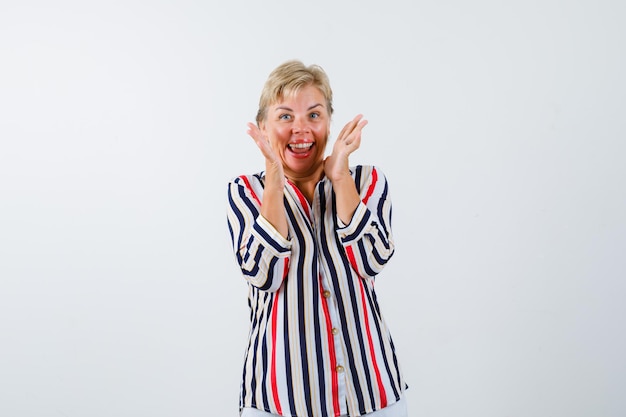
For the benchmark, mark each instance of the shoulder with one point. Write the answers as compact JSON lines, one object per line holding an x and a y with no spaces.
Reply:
{"x":368,"y":179}
{"x":362,"y":173}
{"x":248,"y":180}
{"x":246,"y":190}
{"x":248,"y":187}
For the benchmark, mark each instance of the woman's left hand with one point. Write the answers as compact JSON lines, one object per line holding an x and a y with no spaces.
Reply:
{"x":337,"y":166}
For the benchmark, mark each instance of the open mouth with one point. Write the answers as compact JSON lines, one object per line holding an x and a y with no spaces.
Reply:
{"x":300,"y":148}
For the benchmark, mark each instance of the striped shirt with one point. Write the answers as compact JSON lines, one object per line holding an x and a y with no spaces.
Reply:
{"x":318,"y":345}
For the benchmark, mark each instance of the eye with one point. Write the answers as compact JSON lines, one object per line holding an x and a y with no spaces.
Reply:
{"x":315,"y":115}
{"x":284,"y":116}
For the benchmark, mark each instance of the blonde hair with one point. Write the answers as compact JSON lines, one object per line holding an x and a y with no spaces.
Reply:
{"x":288,"y":78}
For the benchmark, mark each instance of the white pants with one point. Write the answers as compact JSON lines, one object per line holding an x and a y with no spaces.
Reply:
{"x":397,"y":409}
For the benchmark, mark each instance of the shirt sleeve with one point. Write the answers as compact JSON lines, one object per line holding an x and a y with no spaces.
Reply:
{"x":260,"y":250}
{"x":368,"y":239}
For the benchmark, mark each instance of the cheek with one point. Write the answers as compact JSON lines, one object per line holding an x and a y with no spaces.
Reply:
{"x":322,"y":133}
{"x":274,"y":133}
{"x":280,"y":131}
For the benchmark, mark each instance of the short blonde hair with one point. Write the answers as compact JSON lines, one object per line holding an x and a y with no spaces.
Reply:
{"x":288,"y":78}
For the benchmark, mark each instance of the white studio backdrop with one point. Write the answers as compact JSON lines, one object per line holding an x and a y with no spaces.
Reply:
{"x":500,"y":126}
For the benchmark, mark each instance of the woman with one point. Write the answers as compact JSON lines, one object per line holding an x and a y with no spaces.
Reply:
{"x":310,"y":234}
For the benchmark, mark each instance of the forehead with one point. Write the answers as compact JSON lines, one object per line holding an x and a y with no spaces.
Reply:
{"x":307,"y":95}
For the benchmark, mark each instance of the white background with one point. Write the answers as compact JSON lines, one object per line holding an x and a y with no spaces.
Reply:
{"x":500,"y":126}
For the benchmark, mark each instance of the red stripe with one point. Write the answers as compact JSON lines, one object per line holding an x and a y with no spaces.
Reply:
{"x":245,"y":180}
{"x":286,"y":269}
{"x":331,"y":347}
{"x":379,"y":381}
{"x":303,"y":201}
{"x":273,"y":364}
{"x":274,"y":331}
{"x":352,"y":259}
{"x":372,"y":186}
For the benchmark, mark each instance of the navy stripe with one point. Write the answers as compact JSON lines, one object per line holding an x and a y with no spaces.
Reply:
{"x":264,"y":355}
{"x":341,"y":305}
{"x":240,"y":218}
{"x":255,"y":268}
{"x":269,"y":239}
{"x":380,"y":209}
{"x":288,"y":372}
{"x":316,"y":303}
{"x":374,"y":308}
{"x":366,"y":266}
{"x":397,"y":366}
{"x":314,"y":243}
{"x":360,"y":226}
{"x":355,"y":297}
{"x":300,"y":270}
{"x":255,"y":345}
{"x":270,"y":275}
{"x":357,"y":178}
{"x":321,"y":372}
{"x":243,"y":193}
{"x":301,"y":273}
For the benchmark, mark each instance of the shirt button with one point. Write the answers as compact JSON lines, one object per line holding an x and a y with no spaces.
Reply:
{"x":339,"y":368}
{"x":326,"y":294}
{"x":335,"y":331}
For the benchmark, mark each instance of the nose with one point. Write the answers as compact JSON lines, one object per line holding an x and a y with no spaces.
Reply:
{"x":300,"y":125}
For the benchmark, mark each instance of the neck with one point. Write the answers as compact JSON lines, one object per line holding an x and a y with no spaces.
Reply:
{"x":306,"y":183}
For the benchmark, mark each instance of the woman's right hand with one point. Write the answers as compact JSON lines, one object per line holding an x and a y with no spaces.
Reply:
{"x":274,"y":173}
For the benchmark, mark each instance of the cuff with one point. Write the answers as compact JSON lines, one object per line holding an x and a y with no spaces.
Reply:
{"x":272,"y":239}
{"x":356,"y":228}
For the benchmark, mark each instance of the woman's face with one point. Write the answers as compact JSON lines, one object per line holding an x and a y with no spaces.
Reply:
{"x":297,"y":128}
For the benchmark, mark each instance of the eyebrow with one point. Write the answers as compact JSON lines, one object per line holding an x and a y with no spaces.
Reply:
{"x":289,"y":109}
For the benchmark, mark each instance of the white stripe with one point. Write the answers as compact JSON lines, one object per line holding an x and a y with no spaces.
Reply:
{"x":335,"y":257}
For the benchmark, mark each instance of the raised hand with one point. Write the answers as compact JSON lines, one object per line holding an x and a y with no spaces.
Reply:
{"x":274,"y":173}
{"x":337,"y":165}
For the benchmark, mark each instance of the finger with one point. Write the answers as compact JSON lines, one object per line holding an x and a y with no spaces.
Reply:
{"x":260,"y":141}
{"x":348,"y":127}
{"x":360,"y":125}
{"x":343,"y":133}
{"x":351,"y":126}
{"x":355,"y":134}
{"x":257,"y":136}
{"x":253,"y":131}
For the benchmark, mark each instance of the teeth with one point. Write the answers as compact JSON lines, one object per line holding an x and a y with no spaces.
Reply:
{"x":300,"y":145}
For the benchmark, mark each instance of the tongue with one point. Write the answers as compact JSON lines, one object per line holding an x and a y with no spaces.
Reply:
{"x":300,"y":150}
